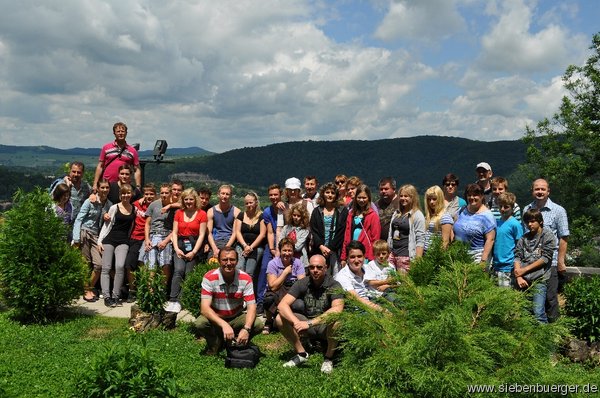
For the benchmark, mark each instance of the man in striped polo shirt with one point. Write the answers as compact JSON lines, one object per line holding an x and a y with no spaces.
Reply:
{"x":224,"y":291}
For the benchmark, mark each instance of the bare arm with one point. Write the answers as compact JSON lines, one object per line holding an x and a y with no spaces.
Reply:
{"x":138,"y":176}
{"x":490,"y":237}
{"x":562,"y":252}
{"x":209,"y":228}
{"x":231,"y":240}
{"x":275,"y":282}
{"x":98,"y":174}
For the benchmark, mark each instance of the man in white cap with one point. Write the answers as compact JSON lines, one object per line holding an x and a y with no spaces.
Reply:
{"x":484,"y":179}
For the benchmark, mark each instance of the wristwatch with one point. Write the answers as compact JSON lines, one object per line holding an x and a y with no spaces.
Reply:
{"x":310,"y":324}
{"x":247,"y":329}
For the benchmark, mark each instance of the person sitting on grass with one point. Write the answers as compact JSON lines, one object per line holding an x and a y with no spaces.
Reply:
{"x":224,"y":292}
{"x":353,"y":277}
{"x":321,"y":295}
{"x":379,"y":271}
{"x":282,"y":273}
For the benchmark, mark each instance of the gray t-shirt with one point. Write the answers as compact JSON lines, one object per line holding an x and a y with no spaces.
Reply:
{"x":158,"y":219}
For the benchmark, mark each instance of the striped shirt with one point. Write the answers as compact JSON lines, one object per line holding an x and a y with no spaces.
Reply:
{"x":227,"y":300}
{"x":128,"y":155}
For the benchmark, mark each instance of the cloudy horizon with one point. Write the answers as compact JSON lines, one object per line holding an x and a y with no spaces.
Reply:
{"x":229,"y":74}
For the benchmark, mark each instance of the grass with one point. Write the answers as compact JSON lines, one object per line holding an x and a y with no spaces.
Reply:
{"x":47,"y":361}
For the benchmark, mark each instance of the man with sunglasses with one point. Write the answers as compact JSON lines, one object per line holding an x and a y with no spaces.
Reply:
{"x":321,"y":295}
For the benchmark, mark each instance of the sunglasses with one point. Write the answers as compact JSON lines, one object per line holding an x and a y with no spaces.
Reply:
{"x":450,"y":184}
{"x":340,"y":182}
{"x":319,"y":267}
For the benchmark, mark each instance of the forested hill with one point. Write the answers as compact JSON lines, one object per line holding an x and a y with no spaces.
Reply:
{"x":422,"y":161}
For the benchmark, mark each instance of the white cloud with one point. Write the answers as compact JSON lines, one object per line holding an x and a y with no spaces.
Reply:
{"x":512,"y":46}
{"x":423,"y":19}
{"x":228,"y":74}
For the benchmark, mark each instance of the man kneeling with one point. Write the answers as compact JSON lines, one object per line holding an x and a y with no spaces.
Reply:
{"x":321,"y":295}
{"x":224,"y":291}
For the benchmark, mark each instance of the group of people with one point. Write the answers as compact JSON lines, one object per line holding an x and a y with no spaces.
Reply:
{"x":292,"y":259}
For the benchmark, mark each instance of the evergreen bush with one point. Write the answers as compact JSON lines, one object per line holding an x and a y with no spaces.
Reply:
{"x":192,"y":288}
{"x":449,"y":329}
{"x":127,"y":371}
{"x":151,"y":290}
{"x":40,"y":273}
{"x":583,"y":304}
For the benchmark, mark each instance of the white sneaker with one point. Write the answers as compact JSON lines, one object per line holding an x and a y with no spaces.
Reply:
{"x":176,"y":307}
{"x":295,"y":361}
{"x":327,"y":366}
{"x":169,"y":306}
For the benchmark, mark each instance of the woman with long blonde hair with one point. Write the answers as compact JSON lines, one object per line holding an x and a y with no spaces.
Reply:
{"x":438,"y":222}
{"x":407,"y":229}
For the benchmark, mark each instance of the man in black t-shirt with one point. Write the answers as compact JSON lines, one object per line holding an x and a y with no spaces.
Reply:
{"x":321,"y":295}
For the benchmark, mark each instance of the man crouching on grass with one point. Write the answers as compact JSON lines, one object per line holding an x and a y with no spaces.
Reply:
{"x":321,"y":295}
{"x":224,"y":291}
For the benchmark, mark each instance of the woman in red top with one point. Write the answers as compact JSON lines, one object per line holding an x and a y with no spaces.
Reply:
{"x":189,"y":228}
{"x":362,"y":223}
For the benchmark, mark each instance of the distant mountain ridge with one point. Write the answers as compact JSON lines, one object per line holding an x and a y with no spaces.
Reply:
{"x":422,"y":161}
{"x":43,"y":149}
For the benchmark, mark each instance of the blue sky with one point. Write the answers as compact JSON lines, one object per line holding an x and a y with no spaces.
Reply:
{"x":229,"y":74}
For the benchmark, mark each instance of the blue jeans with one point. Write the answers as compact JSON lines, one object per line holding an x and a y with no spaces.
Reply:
{"x":539,"y":301}
{"x":261,"y":285}
{"x":249,"y":264}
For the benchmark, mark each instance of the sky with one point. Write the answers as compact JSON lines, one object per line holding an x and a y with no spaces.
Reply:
{"x":243,"y":73}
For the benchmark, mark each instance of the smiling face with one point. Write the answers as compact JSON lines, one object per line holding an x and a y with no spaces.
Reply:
{"x":228,"y":260}
{"x":498,"y":188}
{"x":75,"y":174}
{"x":362,"y":200}
{"x":274,"y":196}
{"x":329,"y":196}
{"x":250,"y":203}
{"x":120,"y":133}
{"x":356,"y":259}
{"x":310,"y":187}
{"x":189,"y":202}
{"x":125,"y":176}
{"x":286,"y":253}
{"x":103,"y":190}
{"x":317,"y":267}
{"x":125,"y":196}
{"x":474,"y":202}
{"x":149,"y":195}
{"x":176,"y":190}
{"x":405,"y":200}
{"x":540,"y":190}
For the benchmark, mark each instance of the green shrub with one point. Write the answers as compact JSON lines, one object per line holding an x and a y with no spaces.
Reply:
{"x":40,"y":274}
{"x":192,"y":287}
{"x":127,"y":371}
{"x":151,"y":290}
{"x":583,"y":304}
{"x":439,"y":337}
{"x":424,"y":270}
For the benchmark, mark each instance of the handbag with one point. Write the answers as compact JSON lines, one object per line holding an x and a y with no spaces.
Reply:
{"x":240,"y":357}
{"x":186,"y":243}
